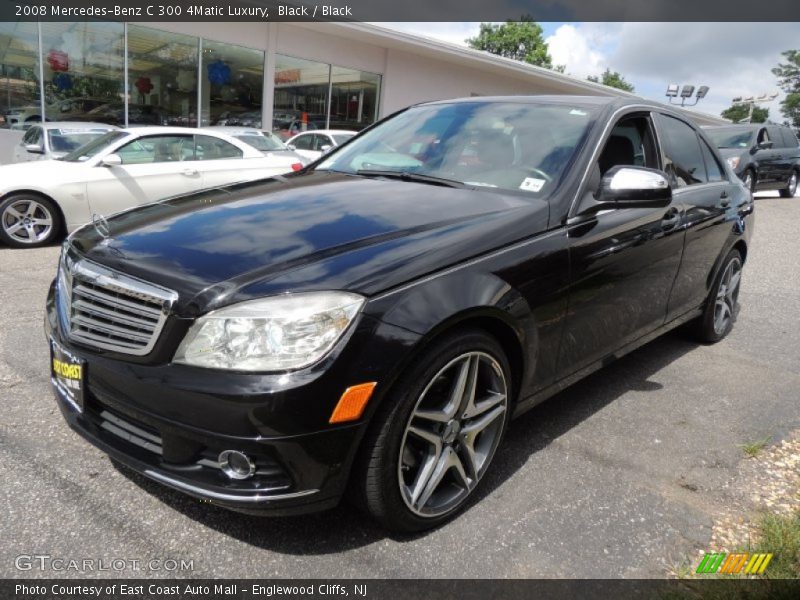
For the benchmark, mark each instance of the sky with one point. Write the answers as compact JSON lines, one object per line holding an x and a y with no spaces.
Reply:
{"x":732,"y":59}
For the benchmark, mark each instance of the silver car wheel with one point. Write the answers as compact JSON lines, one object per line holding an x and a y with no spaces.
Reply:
{"x":27,"y":221}
{"x":727,"y":295}
{"x":452,"y":434}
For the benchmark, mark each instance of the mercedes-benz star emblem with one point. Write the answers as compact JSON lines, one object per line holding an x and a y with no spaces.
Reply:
{"x":101,"y":225}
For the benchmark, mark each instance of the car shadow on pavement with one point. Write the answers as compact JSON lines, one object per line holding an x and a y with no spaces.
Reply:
{"x":344,"y":527}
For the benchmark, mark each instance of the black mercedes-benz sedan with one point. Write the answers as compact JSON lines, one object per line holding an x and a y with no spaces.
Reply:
{"x":371,"y":323}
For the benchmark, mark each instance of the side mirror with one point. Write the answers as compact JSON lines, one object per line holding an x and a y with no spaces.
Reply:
{"x":112,"y":160}
{"x":325,"y":148}
{"x":291,"y":146}
{"x":34,"y":148}
{"x":630,"y":187}
{"x":764,"y":145}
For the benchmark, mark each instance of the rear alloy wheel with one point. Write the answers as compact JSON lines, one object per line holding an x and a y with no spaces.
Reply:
{"x":720,"y":311}
{"x":437,"y":436}
{"x":28,"y":221}
{"x":791,"y":187}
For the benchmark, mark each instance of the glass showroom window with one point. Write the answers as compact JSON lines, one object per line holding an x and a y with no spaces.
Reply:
{"x":301,"y":94}
{"x":83,"y":67}
{"x":232,"y":85}
{"x":354,"y":98}
{"x":19,"y":75}
{"x":162,"y":77}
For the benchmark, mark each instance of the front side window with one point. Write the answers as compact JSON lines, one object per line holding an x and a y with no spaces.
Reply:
{"x":157,"y":149}
{"x":683,"y":158}
{"x":518,"y":146}
{"x":630,"y":143}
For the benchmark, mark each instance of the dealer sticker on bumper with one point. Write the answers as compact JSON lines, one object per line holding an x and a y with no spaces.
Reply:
{"x":67,"y":373}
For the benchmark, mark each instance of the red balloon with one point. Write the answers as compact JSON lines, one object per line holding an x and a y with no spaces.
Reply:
{"x":58,"y":60}
{"x":144,"y":85}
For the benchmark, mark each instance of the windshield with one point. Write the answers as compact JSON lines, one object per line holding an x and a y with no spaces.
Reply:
{"x":509,"y":145}
{"x":67,"y":140}
{"x":730,"y":138}
{"x":94,"y":147}
{"x":261,"y":142}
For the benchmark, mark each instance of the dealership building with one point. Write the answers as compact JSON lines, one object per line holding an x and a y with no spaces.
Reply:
{"x":292,"y":75}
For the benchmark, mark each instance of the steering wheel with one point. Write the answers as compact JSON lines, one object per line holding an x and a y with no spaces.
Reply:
{"x":539,"y":173}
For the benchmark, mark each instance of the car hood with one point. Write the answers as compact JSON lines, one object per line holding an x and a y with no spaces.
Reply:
{"x":729,"y":152}
{"x":38,"y":174}
{"x":312,"y":231}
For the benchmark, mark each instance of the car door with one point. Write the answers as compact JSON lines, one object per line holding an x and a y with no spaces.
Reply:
{"x":700,"y":183}
{"x":221,"y":163}
{"x":765,"y":156}
{"x":782,"y":158}
{"x":623,"y":262}
{"x":153,"y":168}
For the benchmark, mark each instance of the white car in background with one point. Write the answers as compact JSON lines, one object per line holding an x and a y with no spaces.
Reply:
{"x":121,"y":169}
{"x":267,"y":143}
{"x":313,"y":144}
{"x":56,"y":139}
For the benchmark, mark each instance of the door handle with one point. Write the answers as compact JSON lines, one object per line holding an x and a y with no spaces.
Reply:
{"x":190,"y":172}
{"x":671,"y":218}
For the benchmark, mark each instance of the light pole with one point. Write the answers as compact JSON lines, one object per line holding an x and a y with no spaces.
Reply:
{"x":751,"y":102}
{"x":673,"y":89}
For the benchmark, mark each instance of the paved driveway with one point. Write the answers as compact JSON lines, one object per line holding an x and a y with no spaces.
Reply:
{"x":618,"y":476}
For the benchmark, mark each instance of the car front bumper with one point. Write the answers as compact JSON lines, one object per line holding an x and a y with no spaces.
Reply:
{"x":170,"y":422}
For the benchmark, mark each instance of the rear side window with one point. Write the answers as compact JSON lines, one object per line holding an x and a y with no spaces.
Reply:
{"x":713,"y":168}
{"x":211,"y":148}
{"x":683,"y":157}
{"x":789,"y":139}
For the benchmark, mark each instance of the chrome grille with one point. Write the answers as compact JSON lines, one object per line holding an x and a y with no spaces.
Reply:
{"x":108,"y":310}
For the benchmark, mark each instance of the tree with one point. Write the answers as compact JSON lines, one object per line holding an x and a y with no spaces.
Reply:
{"x":520,"y":40}
{"x":788,"y":75}
{"x":737,"y":112}
{"x":612,"y":79}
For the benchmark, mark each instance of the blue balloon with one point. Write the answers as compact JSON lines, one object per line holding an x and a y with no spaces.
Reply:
{"x":218,"y":72}
{"x":63,"y":81}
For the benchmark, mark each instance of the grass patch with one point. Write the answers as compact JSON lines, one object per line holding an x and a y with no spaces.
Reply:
{"x":780,"y":534}
{"x":753,"y":449}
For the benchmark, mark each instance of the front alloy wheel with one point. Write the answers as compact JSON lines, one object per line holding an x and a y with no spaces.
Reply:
{"x":452,"y":434}
{"x":434,"y":435}
{"x":28,"y":221}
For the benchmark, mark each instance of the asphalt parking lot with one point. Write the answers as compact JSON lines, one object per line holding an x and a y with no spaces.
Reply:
{"x":618,"y":476}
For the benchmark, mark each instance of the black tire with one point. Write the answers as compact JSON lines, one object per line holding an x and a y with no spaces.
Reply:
{"x":380,"y":468}
{"x":749,"y":173}
{"x":791,"y":187}
{"x":43,"y":225}
{"x":709,"y":328}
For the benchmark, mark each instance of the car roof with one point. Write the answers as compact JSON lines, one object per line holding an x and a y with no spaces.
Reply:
{"x":740,"y":126}
{"x":159,"y":129}
{"x":76,"y":125}
{"x":235,"y":129}
{"x":329,"y":131}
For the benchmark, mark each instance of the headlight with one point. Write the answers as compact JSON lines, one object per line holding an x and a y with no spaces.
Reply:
{"x":271,"y":334}
{"x":733,"y":162}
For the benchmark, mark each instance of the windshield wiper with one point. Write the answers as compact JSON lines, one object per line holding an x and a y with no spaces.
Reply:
{"x":407,"y":176}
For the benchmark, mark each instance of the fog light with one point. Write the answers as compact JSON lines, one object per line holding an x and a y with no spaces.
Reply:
{"x":236,"y":465}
